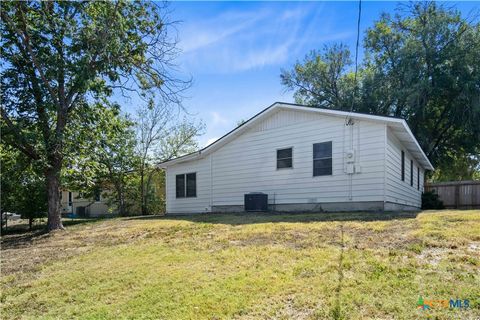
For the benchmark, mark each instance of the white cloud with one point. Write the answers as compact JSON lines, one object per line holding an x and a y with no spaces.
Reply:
{"x":292,"y":13}
{"x":259,"y":58}
{"x":218,"y":119}
{"x":242,"y":40}
{"x":210,"y":141}
{"x":209,"y":32}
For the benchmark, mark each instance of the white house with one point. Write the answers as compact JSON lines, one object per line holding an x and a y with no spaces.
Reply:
{"x":74,"y":203}
{"x":304,"y":159}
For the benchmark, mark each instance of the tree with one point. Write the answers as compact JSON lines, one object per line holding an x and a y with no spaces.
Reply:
{"x":459,"y":166}
{"x":161,"y":135}
{"x":23,"y":187}
{"x":58,"y":57}
{"x":427,"y":55}
{"x":421,"y":64}
{"x":108,"y":160}
{"x":321,"y":79}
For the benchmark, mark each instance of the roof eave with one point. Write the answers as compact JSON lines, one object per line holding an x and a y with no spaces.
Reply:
{"x":429,"y":164}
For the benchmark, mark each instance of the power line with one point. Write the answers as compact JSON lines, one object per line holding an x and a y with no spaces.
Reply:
{"x":355,"y":85}
{"x":358,"y":40}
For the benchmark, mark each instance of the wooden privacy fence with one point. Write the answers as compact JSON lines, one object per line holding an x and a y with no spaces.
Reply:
{"x":457,"y":194}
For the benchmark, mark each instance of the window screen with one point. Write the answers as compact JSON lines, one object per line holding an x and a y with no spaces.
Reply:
{"x":97,"y":195}
{"x":411,"y":173}
{"x":186,"y":185}
{"x":180,"y":185}
{"x":403,"y":166}
{"x":191,"y":185}
{"x":322,"y":159}
{"x":418,"y":178}
{"x":284,"y":158}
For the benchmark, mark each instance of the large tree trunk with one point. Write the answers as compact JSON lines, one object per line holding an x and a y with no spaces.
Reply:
{"x":53,"y":191}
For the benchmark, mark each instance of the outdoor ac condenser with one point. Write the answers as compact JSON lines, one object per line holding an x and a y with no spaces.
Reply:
{"x":256,"y":201}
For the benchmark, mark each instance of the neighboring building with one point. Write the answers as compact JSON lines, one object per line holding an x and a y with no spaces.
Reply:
{"x":74,"y":203}
{"x":304,"y":159}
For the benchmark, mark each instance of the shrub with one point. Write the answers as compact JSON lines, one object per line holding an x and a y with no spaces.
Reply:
{"x":430,"y":201}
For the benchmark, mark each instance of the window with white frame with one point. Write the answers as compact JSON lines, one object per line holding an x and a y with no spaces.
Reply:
{"x":284,"y":158}
{"x":322,"y":159}
{"x":186,"y":185}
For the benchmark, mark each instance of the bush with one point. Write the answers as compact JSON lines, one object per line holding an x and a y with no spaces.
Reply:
{"x":430,"y":201}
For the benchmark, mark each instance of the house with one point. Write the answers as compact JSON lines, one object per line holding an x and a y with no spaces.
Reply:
{"x":74,"y":203}
{"x":304,"y":159}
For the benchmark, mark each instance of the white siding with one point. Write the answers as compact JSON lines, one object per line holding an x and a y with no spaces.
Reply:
{"x":200,"y":203}
{"x":398,"y":191}
{"x":248,"y":164}
{"x":93,"y":208}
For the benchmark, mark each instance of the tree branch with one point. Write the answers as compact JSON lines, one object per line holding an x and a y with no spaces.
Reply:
{"x":20,"y":140}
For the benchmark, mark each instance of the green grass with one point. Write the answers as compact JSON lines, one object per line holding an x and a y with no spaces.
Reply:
{"x":304,"y":266}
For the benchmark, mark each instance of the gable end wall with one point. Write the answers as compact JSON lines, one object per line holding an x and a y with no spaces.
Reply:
{"x":248,"y":164}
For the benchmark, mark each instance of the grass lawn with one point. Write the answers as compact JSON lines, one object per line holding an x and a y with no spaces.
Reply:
{"x":303,"y":266}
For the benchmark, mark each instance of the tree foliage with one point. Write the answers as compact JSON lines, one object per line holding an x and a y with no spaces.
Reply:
{"x":62,"y":57}
{"x":162,"y":134}
{"x":421,"y":64}
{"x":103,"y":158}
{"x":22,"y":186}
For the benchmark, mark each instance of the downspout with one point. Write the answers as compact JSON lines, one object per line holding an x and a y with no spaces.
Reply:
{"x":166,"y":189}
{"x":350,"y":187}
{"x":357,"y":166}
{"x":211,"y":183}
{"x":385,"y":147}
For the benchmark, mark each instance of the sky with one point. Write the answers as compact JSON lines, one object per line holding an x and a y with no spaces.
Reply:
{"x":235,"y":51}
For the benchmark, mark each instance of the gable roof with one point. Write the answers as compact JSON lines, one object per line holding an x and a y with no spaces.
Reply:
{"x":398,"y":125}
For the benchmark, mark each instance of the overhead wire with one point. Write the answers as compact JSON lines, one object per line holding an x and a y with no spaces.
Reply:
{"x":355,"y":83}
{"x":348,"y":120}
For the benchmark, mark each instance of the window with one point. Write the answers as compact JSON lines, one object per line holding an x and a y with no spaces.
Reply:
{"x":180,"y":185}
{"x":411,"y":173}
{"x":69,"y":198}
{"x":284,"y":158}
{"x":186,"y":185}
{"x":191,"y":185}
{"x":418,"y":178}
{"x":322,"y":159}
{"x":97,"y":195}
{"x":403,"y":166}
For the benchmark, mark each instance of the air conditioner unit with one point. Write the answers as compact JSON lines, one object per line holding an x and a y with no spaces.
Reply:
{"x":256,"y":201}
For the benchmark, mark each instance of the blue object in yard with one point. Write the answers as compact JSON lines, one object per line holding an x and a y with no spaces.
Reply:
{"x":72,"y":216}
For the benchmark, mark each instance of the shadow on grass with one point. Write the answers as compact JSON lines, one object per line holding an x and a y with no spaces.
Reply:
{"x":19,"y":239}
{"x":19,"y":234}
{"x":336,"y":312}
{"x":252,"y":218}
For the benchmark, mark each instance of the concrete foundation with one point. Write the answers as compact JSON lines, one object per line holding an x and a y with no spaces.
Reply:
{"x":390,"y":206}
{"x":366,"y":206}
{"x":310,"y":207}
